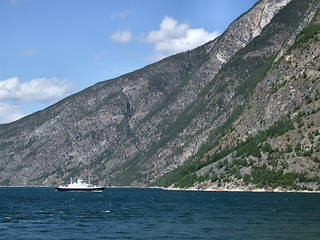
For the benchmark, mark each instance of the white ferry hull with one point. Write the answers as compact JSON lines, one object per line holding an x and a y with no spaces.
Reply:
{"x":87,"y":189}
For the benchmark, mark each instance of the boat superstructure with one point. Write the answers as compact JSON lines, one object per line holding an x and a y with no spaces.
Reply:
{"x":79,"y":185}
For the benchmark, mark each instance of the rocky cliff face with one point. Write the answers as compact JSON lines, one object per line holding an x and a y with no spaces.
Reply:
{"x":273,"y":141}
{"x":135,"y":129}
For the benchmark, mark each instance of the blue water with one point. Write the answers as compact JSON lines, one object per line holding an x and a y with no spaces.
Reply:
{"x":44,"y":213}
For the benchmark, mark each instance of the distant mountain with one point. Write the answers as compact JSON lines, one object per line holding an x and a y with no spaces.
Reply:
{"x":240,"y":112}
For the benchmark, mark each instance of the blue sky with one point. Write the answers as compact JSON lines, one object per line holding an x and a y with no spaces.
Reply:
{"x":53,"y":48}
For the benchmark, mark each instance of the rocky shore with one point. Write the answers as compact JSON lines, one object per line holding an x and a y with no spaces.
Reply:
{"x":239,"y":189}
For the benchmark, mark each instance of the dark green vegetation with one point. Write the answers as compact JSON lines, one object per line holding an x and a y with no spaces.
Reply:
{"x":185,"y":176}
{"x":307,"y":33}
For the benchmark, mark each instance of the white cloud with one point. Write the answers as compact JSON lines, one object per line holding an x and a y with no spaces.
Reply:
{"x":9,"y":113}
{"x":122,"y":14}
{"x":15,"y":95}
{"x":28,"y":52}
{"x":40,"y":89}
{"x":122,"y":37}
{"x":12,"y":2}
{"x":169,"y":29}
{"x":173,"y":38}
{"x":99,"y":55}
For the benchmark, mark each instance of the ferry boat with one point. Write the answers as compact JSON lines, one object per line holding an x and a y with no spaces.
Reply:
{"x":79,"y":185}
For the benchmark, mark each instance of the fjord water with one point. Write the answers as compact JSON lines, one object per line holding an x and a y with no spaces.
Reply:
{"x":44,"y":213}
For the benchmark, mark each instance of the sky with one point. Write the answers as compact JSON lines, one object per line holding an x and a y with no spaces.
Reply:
{"x":50,"y":49}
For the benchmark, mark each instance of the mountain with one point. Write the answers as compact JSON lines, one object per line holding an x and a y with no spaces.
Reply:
{"x":238,"y":112}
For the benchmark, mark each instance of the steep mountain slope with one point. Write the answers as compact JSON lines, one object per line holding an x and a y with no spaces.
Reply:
{"x":135,"y":129}
{"x":273,"y":142}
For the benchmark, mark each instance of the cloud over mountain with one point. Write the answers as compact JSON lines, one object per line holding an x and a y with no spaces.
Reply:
{"x":173,"y":38}
{"x":9,"y":113}
{"x":13,"y":94}
{"x":39,"y":89}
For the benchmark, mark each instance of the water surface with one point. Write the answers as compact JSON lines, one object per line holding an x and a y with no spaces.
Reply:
{"x":44,"y":213}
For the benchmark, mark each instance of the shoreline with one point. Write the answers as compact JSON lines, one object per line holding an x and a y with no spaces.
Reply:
{"x":239,"y":190}
{"x":235,"y":190}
